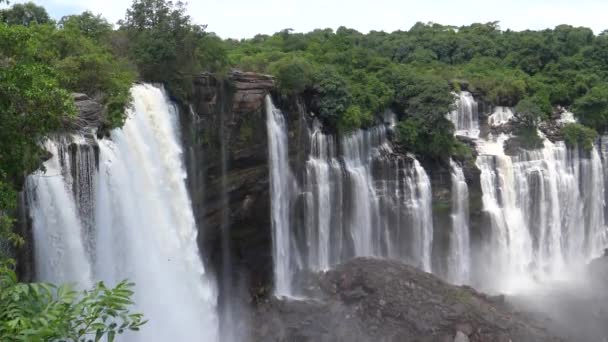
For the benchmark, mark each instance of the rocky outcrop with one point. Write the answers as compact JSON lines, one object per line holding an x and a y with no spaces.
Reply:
{"x":249,"y":90}
{"x":90,"y":112}
{"x":382,"y":300}
{"x":224,"y":136}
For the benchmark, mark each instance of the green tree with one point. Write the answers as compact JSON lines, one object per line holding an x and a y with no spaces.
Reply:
{"x":165,"y":45}
{"x":89,"y":25}
{"x":530,"y":111}
{"x":39,"y":312}
{"x":24,"y":14}
{"x":578,"y":135}
{"x":592,"y":109}
{"x":293,"y":75}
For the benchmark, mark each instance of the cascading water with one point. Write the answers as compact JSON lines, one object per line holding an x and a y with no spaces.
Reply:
{"x":143,"y":228}
{"x":459,"y":253}
{"x":465,"y":116}
{"x":60,"y":237}
{"x":280,"y":176}
{"x":356,"y":199}
{"x":538,"y":201}
{"x":545,"y":207}
{"x":500,"y":116}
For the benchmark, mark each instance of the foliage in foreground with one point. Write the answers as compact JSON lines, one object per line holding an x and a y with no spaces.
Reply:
{"x":38,"y":312}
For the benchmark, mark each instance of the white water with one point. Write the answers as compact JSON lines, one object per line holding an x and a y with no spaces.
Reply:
{"x":465,"y":116}
{"x":547,"y":211}
{"x":545,"y":207}
{"x":59,"y":236}
{"x":280,"y":194}
{"x":144,"y":227}
{"x":353,"y":201}
{"x":500,"y":116}
{"x":459,"y":252}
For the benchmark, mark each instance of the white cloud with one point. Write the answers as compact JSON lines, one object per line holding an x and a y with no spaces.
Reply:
{"x":245,"y":18}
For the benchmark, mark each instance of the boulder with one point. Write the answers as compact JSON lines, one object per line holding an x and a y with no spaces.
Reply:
{"x":90,"y":112}
{"x":368,"y":299}
{"x":249,"y":90}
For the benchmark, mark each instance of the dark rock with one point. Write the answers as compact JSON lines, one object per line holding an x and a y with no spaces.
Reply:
{"x":250,"y":90}
{"x":90,"y":113}
{"x":394,"y":302}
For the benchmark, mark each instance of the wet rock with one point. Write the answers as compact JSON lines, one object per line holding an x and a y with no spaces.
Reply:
{"x":90,"y":113}
{"x":384,"y":309}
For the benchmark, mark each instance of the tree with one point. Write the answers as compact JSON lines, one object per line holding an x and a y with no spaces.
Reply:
{"x":592,"y":109}
{"x":531,"y":110}
{"x":164,"y":43}
{"x":88,"y":24}
{"x":25,"y":14}
{"x":293,"y":75}
{"x":38,"y":312}
{"x":578,"y":135}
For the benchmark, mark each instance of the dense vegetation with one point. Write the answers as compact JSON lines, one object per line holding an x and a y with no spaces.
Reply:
{"x":349,"y":80}
{"x":354,"y":77}
{"x":41,"y":63}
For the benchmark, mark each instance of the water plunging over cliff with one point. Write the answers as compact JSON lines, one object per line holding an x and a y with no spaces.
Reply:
{"x":143,"y":227}
{"x":459,"y":253}
{"x":465,"y":116}
{"x":280,"y":177}
{"x":546,"y":207}
{"x":356,"y":199}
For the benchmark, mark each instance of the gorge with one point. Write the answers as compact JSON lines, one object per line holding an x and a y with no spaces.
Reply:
{"x":160,"y":183}
{"x":327,"y":199}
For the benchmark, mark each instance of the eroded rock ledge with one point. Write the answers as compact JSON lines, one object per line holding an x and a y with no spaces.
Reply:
{"x":382,"y":300}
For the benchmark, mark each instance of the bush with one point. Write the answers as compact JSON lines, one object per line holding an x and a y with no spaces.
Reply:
{"x":578,"y":135}
{"x":592,"y":109}
{"x":532,"y":110}
{"x":333,"y":94}
{"x":293,"y":75}
{"x":528,"y":138}
{"x":354,"y":118}
{"x":424,"y":138}
{"x":44,"y":312}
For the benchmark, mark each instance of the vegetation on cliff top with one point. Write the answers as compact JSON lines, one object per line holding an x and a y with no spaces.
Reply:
{"x":354,"y":77}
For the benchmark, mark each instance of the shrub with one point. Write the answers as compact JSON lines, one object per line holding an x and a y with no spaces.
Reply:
{"x":578,"y":135}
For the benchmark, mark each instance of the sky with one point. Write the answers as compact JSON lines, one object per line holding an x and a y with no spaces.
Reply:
{"x":246,"y":18}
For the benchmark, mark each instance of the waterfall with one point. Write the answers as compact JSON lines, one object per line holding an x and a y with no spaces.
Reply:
{"x":546,"y":208}
{"x":142,"y":229}
{"x":459,"y":253}
{"x":280,"y":197}
{"x":356,"y":198}
{"x":60,"y":238}
{"x":419,"y":186}
{"x":500,"y":116}
{"x":465,"y":116}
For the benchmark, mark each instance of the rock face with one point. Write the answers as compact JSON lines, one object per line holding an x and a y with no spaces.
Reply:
{"x":90,"y":112}
{"x":382,"y":300}
{"x":226,"y":155}
{"x":250,"y":90}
